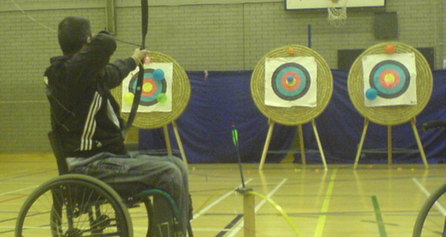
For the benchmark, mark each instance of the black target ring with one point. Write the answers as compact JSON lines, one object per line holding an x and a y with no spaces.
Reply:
{"x":398,"y":71}
{"x":282,"y":74}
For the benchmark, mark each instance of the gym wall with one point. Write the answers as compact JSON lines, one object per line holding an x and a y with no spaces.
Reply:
{"x":199,"y":34}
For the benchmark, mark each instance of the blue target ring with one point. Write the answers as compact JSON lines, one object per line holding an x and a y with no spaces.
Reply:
{"x":290,"y":81}
{"x":390,"y":79}
{"x":157,"y":85}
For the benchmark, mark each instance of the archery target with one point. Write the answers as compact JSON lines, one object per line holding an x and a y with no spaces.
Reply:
{"x":156,"y":88}
{"x":290,"y":81}
{"x":389,"y":79}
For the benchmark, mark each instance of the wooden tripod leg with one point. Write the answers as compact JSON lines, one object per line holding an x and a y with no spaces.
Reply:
{"x":389,"y":145}
{"x":180,"y":143}
{"x":319,"y":145}
{"x":361,"y":142}
{"x":167,"y":138}
{"x":420,"y":145}
{"x":302,"y":144}
{"x":267,"y":142}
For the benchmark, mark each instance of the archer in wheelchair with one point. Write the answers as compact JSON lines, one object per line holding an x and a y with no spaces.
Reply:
{"x":99,"y":178}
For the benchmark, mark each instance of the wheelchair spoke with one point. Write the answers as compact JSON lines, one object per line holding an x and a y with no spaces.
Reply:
{"x":73,"y":206}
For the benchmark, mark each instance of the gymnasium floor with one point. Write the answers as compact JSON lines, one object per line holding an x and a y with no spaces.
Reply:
{"x":374,"y":200}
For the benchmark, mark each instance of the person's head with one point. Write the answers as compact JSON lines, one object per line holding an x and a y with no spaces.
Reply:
{"x":73,"y":33}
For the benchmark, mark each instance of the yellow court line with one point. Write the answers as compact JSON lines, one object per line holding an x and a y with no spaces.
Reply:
{"x":279,"y":209}
{"x":323,"y":216}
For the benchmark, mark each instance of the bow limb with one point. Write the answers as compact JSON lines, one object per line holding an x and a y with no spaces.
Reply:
{"x":139,"y":83}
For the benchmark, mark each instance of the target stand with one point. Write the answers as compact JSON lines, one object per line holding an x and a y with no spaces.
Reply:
{"x":390,"y":84}
{"x":165,"y":95}
{"x":292,"y":85}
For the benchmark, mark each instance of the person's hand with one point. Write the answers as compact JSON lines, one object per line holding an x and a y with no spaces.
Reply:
{"x":140,"y":56}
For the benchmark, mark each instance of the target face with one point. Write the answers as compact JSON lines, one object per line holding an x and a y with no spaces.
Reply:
{"x":152,"y":87}
{"x":389,"y":79}
{"x":290,"y":82}
{"x":156,"y":89}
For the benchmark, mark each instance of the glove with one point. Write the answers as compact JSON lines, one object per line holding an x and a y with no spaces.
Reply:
{"x":139,"y":55}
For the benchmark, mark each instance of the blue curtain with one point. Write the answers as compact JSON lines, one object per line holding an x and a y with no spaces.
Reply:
{"x":221,"y":100}
{"x":218,"y":102}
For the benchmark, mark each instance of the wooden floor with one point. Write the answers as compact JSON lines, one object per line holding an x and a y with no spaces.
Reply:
{"x":374,"y":200}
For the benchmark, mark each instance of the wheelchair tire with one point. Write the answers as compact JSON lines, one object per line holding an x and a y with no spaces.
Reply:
{"x":74,"y":205}
{"x":422,"y":215}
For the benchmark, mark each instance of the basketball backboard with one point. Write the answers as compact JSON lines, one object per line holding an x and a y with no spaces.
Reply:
{"x":318,"y":4}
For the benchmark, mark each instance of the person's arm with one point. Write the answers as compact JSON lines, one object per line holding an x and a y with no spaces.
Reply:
{"x":115,"y":72}
{"x":91,"y":59}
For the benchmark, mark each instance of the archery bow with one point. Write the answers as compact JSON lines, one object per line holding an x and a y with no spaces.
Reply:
{"x":139,"y":82}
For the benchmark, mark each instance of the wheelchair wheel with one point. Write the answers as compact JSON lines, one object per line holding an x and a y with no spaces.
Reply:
{"x":73,"y":205}
{"x":430,"y":223}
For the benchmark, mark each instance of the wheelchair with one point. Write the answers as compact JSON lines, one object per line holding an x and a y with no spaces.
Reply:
{"x":434,"y":197}
{"x":77,"y":205}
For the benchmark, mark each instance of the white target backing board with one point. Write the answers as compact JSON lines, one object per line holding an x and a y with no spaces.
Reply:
{"x":291,"y":81}
{"x":318,"y":4}
{"x":156,"y":94}
{"x":389,"y":79}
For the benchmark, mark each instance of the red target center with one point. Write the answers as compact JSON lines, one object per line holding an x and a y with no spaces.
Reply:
{"x":291,"y":86}
{"x":389,"y":78}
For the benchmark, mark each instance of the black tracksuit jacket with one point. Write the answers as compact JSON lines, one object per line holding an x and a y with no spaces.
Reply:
{"x":83,"y":111}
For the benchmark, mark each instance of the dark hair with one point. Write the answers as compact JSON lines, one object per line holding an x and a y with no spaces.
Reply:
{"x":73,"y":34}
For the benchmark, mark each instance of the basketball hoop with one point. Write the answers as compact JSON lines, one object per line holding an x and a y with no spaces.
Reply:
{"x":337,"y":12}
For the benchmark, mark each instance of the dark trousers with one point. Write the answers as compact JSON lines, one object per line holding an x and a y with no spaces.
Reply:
{"x":167,"y":173}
